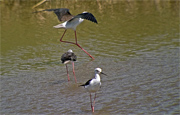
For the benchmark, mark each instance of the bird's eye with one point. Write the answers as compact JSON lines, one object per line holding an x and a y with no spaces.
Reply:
{"x":97,"y":71}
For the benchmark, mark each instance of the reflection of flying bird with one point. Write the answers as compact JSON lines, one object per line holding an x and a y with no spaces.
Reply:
{"x":71,"y":22}
{"x":67,"y":57}
{"x":93,"y":85}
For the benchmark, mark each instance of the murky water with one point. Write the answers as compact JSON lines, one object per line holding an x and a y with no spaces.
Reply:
{"x":135,"y":43}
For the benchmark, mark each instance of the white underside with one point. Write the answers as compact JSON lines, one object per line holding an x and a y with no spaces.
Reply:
{"x":93,"y":87}
{"x":67,"y":62}
{"x":70,"y":24}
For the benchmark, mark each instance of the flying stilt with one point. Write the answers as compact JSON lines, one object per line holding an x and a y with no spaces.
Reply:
{"x":67,"y":57}
{"x":71,"y":22}
{"x":93,"y":85}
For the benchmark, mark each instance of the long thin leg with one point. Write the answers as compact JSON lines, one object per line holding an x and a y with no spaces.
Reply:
{"x":81,"y":47}
{"x":92,"y":107}
{"x":94,"y":100}
{"x":67,"y":73}
{"x":65,"y":41}
{"x":74,"y":72}
{"x":75,"y":43}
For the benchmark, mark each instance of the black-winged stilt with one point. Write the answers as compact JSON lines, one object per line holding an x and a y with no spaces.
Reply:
{"x":93,"y":85}
{"x":67,"y":57}
{"x":71,"y":22}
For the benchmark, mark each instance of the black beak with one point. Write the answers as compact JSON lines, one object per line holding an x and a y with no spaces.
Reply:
{"x":103,"y":73}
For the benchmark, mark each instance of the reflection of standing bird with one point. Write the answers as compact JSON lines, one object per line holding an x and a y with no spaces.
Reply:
{"x":69,"y":57}
{"x":71,"y":22}
{"x":93,"y":85}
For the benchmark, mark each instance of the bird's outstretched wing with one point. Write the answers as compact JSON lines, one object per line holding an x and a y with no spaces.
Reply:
{"x":87,"y":16}
{"x":63,"y":14}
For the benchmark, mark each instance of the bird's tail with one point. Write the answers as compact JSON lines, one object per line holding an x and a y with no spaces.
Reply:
{"x":59,"y":26}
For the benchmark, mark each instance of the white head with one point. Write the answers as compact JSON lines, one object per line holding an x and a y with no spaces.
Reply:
{"x":70,"y":50}
{"x":98,"y":70}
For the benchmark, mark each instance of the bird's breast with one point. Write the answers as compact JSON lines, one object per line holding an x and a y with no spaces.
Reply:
{"x":74,"y":23}
{"x":93,"y":87}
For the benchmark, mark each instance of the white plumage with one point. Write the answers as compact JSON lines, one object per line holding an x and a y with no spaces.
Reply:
{"x":93,"y":85}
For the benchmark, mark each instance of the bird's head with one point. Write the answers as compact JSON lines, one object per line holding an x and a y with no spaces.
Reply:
{"x":98,"y":71}
{"x":70,"y":50}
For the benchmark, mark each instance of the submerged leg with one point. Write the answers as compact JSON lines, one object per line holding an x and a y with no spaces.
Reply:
{"x":67,"y":73}
{"x":74,"y":72}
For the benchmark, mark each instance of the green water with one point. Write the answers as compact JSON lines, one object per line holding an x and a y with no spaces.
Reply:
{"x":135,"y":42}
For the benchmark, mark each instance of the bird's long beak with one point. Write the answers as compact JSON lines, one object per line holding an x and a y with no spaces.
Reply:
{"x":103,"y":73}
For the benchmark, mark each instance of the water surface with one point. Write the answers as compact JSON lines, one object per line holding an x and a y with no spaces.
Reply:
{"x":136,"y":43}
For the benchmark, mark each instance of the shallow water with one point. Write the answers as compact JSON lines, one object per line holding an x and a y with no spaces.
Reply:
{"x":135,"y":43}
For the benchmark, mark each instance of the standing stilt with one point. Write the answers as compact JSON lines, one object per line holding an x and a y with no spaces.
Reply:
{"x":93,"y":85}
{"x":69,"y":57}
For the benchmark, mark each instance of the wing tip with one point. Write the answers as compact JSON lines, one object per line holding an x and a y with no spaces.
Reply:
{"x":96,"y":22}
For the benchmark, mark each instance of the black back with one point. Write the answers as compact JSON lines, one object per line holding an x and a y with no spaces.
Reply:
{"x":87,"y":83}
{"x":68,"y":56}
{"x":63,"y":14}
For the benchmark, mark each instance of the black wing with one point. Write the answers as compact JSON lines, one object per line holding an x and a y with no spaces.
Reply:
{"x":87,"y":83}
{"x":63,"y":14}
{"x":87,"y":16}
{"x":68,"y":56}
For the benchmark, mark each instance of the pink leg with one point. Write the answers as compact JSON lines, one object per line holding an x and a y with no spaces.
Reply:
{"x":94,"y":100}
{"x":75,"y":43}
{"x":81,"y":47}
{"x":92,"y":107}
{"x":67,"y":73}
{"x":74,"y":72}
{"x":65,"y":41}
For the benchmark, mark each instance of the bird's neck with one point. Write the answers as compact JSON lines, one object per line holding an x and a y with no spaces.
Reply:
{"x":97,"y":77}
